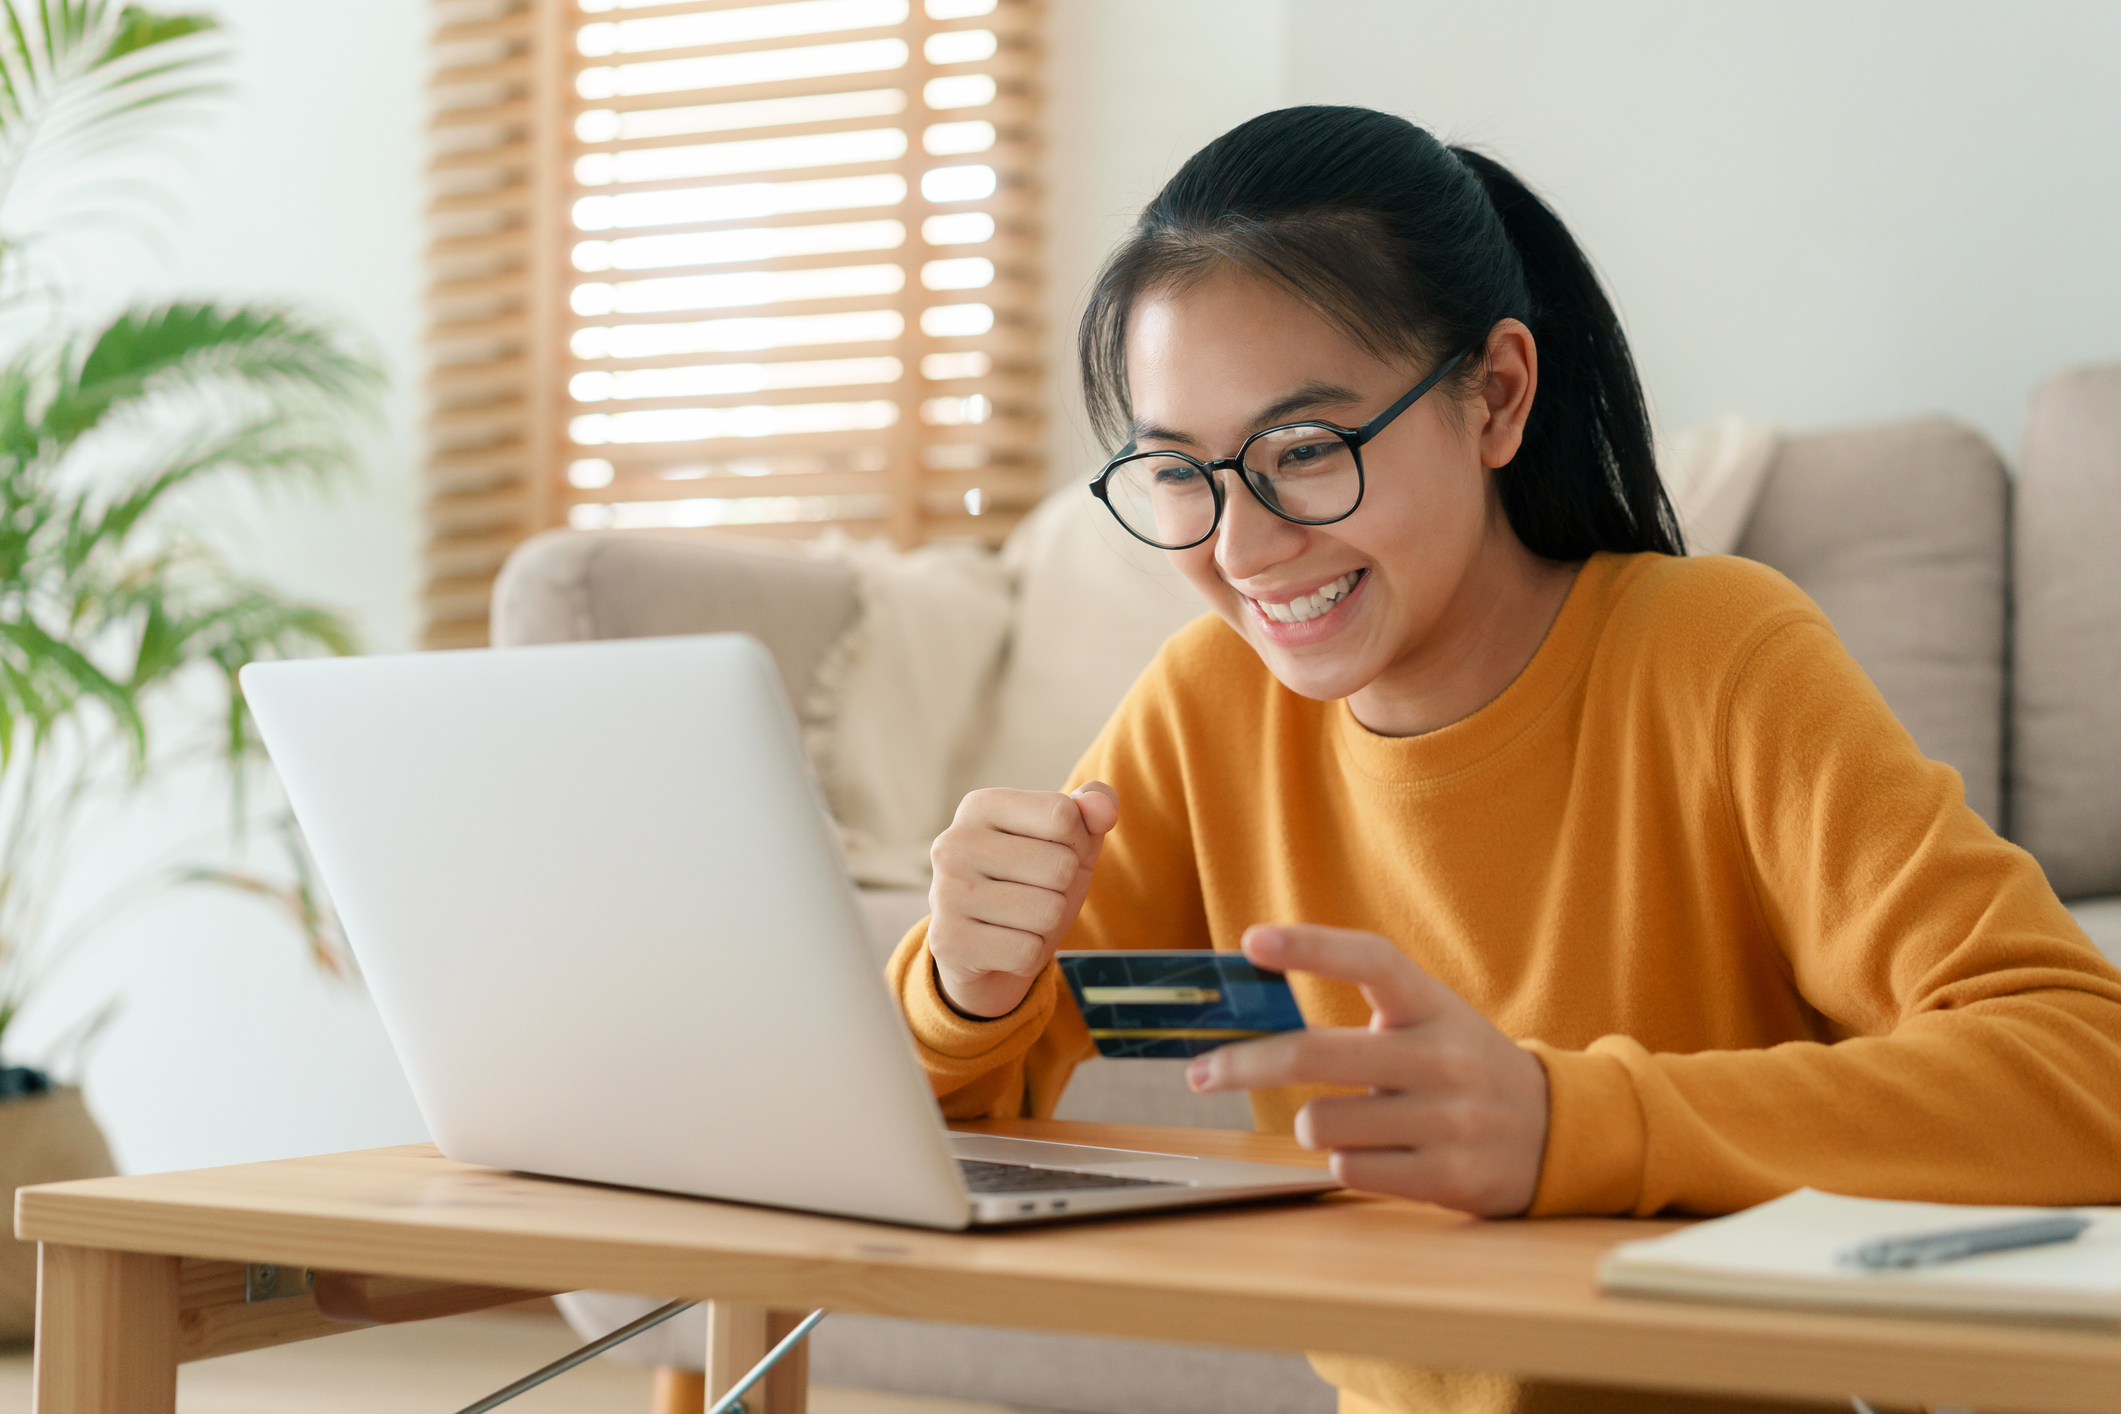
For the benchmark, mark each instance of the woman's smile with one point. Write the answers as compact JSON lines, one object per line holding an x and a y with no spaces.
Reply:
{"x":1298,"y":615}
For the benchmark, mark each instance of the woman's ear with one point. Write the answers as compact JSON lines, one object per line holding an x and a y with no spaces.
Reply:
{"x":1505,"y":400}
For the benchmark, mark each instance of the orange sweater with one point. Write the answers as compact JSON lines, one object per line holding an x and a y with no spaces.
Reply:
{"x":1688,"y":857}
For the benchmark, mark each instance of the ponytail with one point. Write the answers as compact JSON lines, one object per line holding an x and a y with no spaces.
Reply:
{"x":1416,"y":250}
{"x":1589,"y":408}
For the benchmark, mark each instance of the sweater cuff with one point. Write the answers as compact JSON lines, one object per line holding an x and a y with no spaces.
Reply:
{"x":941,"y":1031}
{"x":1595,"y":1135}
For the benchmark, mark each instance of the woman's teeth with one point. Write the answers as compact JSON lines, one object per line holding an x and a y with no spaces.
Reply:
{"x":1309,"y":606}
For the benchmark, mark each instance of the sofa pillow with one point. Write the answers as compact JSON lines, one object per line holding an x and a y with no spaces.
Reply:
{"x":2100,"y":918}
{"x":2066,"y":746}
{"x":1714,"y":474}
{"x":890,"y":707}
{"x":1093,"y":604}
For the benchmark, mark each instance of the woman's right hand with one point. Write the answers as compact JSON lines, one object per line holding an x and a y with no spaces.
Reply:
{"x":1010,"y":875}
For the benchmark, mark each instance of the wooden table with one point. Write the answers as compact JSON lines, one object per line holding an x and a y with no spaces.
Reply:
{"x":141,"y":1273}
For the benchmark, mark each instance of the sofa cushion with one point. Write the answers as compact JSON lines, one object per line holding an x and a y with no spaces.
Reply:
{"x":1093,"y":604}
{"x":890,"y":914}
{"x":2100,"y":918}
{"x":1898,"y":532}
{"x":886,"y":656}
{"x":1714,"y":474}
{"x":1083,"y":1374}
{"x":2066,"y":747}
{"x":566,"y":586}
{"x":894,"y":702}
{"x":1024,"y":1369}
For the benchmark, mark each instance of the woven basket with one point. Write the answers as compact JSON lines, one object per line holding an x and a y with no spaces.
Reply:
{"x":43,"y":1139}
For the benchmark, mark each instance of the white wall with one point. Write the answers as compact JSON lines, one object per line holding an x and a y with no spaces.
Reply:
{"x":1134,"y":88}
{"x":230,"y":1046}
{"x":1809,"y":213}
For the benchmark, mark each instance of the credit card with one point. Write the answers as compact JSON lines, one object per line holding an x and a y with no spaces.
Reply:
{"x":1144,"y":1005}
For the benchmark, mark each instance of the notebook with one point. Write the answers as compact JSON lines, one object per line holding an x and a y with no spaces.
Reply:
{"x":1784,"y":1252}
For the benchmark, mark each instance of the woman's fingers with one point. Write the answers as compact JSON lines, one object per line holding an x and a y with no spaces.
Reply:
{"x":1393,"y":1121}
{"x":1039,"y":815}
{"x":1411,"y":1059}
{"x":1027,"y":907}
{"x":1399,"y":993}
{"x":1437,"y":1151}
{"x":1456,"y":1112}
{"x":1317,"y":1055}
{"x":1449,"y":1176}
{"x":1010,"y":876}
{"x":1099,"y":804}
{"x":976,"y":948}
{"x":1009,"y":859}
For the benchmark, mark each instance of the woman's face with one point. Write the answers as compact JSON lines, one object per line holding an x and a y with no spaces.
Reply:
{"x":1339,"y":609}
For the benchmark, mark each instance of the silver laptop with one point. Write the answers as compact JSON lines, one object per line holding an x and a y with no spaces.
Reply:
{"x":605,"y":918}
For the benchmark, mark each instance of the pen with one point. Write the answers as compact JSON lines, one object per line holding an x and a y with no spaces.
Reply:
{"x":1928,"y":1249}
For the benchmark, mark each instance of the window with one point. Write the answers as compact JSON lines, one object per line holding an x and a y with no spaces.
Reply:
{"x":765,"y":267}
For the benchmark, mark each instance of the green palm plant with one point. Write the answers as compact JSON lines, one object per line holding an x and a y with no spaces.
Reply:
{"x":114,"y":615}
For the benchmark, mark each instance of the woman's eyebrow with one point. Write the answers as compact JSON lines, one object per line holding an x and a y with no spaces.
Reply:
{"x":1139,"y":431}
{"x":1310,"y":395}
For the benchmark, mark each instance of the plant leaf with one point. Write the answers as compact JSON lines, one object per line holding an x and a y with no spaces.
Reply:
{"x":139,"y":29}
{"x":77,"y":75}
{"x":191,"y":346}
{"x":56,"y":659}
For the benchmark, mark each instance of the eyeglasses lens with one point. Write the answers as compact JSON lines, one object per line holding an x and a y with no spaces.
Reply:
{"x":1165,"y":500}
{"x":1306,"y":472}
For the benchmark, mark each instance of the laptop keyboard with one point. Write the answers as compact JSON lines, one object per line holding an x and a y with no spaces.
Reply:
{"x":983,"y":1177}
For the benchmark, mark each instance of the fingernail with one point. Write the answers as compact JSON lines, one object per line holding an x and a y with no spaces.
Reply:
{"x":1197,"y":1074}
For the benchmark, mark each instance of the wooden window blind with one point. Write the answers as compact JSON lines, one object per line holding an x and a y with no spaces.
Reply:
{"x":764,"y":267}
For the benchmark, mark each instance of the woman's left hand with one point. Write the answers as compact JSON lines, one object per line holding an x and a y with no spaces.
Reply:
{"x":1457,"y":1111}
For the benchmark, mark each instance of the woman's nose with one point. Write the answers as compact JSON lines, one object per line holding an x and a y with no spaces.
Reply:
{"x":1251,"y":538}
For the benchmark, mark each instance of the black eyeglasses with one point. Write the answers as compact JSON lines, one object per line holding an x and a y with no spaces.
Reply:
{"x":1306,"y":472}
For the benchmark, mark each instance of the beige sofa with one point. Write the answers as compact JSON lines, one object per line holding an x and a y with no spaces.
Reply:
{"x":1987,"y":608}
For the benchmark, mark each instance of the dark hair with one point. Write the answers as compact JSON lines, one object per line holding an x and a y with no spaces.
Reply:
{"x":1416,"y":250}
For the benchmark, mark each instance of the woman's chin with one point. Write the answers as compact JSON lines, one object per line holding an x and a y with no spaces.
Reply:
{"x":1324,"y":672}
{"x":1305,"y":681}
{"x":1322,"y":658}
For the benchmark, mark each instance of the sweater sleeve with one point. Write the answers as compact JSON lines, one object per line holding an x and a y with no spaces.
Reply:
{"x":1977,"y":1050}
{"x":1145,"y":894}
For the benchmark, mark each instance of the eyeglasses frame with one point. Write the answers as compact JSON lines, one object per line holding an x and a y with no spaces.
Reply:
{"x":1355,"y":437}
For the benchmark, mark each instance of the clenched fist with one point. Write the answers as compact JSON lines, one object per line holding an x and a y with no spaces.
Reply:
{"x":1010,"y":875}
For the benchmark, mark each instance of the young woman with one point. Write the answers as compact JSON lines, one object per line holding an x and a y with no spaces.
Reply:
{"x":1607,"y":881}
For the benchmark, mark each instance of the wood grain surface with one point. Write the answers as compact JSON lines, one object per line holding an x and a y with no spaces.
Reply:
{"x":738,"y":1337}
{"x":112,"y":1323}
{"x":213,"y":1318}
{"x":1348,"y":1273}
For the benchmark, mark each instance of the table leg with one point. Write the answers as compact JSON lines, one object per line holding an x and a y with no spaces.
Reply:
{"x":738,"y":1337}
{"x":106,"y":1332}
{"x":788,"y":1386}
{"x":678,"y":1391}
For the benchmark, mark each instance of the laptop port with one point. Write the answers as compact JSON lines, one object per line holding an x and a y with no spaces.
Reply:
{"x":1060,"y":1205}
{"x":1027,"y":1207}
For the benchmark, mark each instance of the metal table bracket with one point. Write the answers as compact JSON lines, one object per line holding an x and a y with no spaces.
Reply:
{"x":273,"y":1281}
